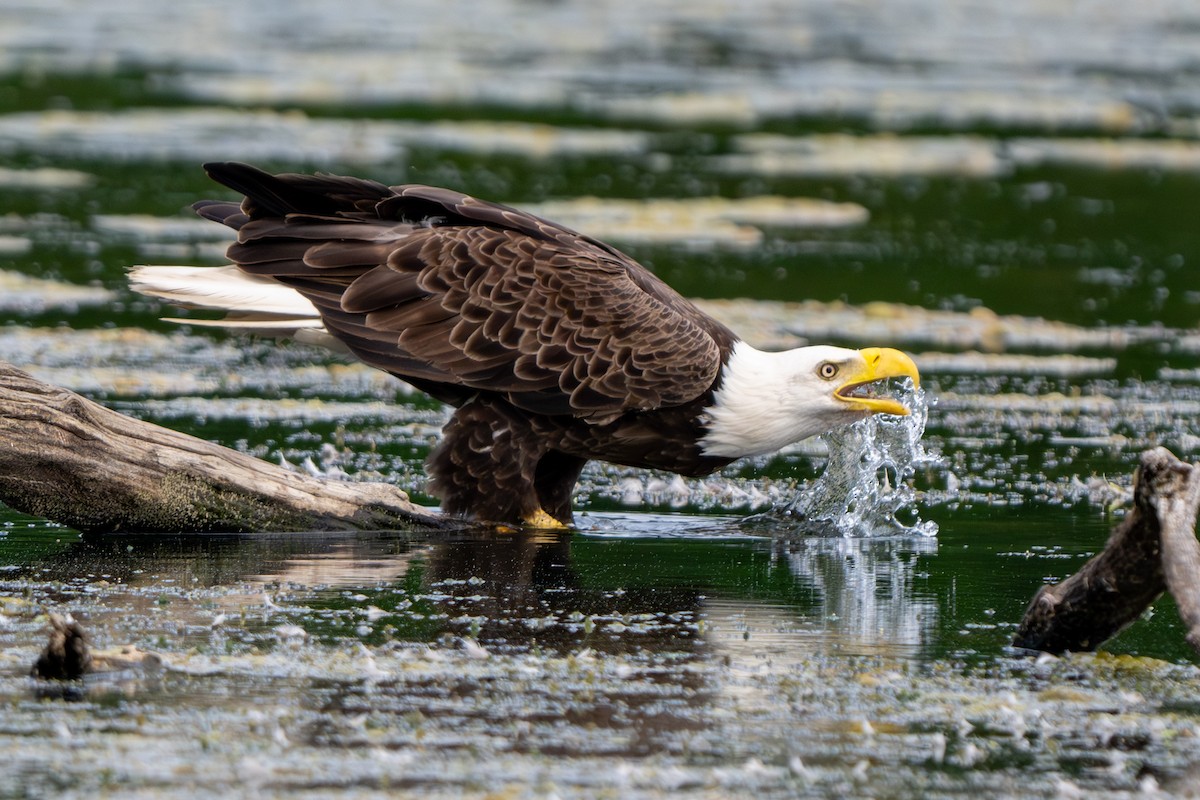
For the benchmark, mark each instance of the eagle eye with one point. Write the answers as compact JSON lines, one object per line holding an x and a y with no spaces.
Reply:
{"x":827,"y":370}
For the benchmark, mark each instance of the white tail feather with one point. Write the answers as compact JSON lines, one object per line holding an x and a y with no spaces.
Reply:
{"x":273,"y":326}
{"x":251,"y":304}
{"x":244,"y":297}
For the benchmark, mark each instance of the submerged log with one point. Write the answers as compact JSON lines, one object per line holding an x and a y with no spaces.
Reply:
{"x":73,"y":461}
{"x":1152,"y":550}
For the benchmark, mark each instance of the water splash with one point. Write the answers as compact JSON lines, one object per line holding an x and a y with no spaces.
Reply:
{"x":866,"y":488}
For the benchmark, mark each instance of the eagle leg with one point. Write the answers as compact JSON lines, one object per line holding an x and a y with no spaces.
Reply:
{"x":554,"y":482}
{"x":492,"y":466}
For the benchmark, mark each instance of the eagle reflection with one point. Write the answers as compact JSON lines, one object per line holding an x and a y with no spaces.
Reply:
{"x":549,"y":590}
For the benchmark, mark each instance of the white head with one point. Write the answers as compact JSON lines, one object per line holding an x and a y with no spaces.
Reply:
{"x":770,"y":400}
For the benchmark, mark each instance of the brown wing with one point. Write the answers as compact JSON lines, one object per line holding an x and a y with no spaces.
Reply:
{"x":464,"y":295}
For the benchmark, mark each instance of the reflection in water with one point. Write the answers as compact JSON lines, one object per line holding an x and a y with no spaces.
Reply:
{"x":349,"y":563}
{"x":785,"y":663}
{"x":526,"y":591}
{"x":214,"y":561}
{"x":436,"y":650}
{"x":516,"y":591}
{"x":864,"y":589}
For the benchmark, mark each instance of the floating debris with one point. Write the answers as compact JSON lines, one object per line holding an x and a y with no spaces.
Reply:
{"x":697,"y":221}
{"x":977,"y":329}
{"x":143,"y":227}
{"x":1160,"y":154}
{"x":891,"y":155}
{"x":1052,"y":404}
{"x":135,"y":363}
{"x":972,"y":362}
{"x":683,"y":63}
{"x":272,"y":409}
{"x":889,"y":101}
{"x":198,"y":134}
{"x":205,"y":134}
{"x":15,"y":245}
{"x":112,"y":348}
{"x":704,"y":690}
{"x":886,"y":155}
{"x":44,"y":178}
{"x":24,"y":294}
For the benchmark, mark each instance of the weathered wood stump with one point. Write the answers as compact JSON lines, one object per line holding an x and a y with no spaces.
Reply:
{"x":73,"y":461}
{"x":1152,"y":550}
{"x":67,"y":656}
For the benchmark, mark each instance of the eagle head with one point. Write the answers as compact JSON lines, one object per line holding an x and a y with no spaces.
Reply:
{"x":767,"y":401}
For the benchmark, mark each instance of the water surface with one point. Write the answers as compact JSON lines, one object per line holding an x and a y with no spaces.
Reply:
{"x":1005,"y":192}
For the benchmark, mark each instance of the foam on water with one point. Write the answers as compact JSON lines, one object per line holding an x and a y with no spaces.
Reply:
{"x":866,"y":488}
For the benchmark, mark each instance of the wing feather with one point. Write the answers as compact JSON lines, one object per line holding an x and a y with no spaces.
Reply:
{"x":437,"y":286}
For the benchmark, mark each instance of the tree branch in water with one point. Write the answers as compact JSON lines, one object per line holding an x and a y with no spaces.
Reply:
{"x":1152,"y":550}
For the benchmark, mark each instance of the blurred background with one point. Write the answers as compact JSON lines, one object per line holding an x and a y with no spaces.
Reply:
{"x":1008,"y":191}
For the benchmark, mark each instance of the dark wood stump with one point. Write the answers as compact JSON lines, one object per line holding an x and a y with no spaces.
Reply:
{"x":68,"y":656}
{"x":70,"y":460}
{"x":1152,"y":550}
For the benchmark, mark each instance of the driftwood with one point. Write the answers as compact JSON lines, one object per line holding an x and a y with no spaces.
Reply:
{"x":1152,"y":550}
{"x":70,"y":460}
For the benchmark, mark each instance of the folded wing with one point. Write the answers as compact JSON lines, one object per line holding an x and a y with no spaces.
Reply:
{"x":460,"y":296}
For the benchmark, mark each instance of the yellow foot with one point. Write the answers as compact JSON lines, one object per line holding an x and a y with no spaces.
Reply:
{"x":542,"y":521}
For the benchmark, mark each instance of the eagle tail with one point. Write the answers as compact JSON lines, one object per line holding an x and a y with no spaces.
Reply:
{"x":252,"y":304}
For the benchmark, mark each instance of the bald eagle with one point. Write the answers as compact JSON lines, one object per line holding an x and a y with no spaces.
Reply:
{"x":555,"y":348}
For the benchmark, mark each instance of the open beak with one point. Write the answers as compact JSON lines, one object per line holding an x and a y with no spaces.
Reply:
{"x":879,"y":364}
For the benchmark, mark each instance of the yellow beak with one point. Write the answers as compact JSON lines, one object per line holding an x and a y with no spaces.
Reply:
{"x":879,"y":363}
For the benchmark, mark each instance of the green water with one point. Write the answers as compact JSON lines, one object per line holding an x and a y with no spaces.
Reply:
{"x":669,"y":646}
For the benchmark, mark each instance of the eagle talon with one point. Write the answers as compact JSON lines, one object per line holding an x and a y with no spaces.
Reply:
{"x":543,"y":521}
